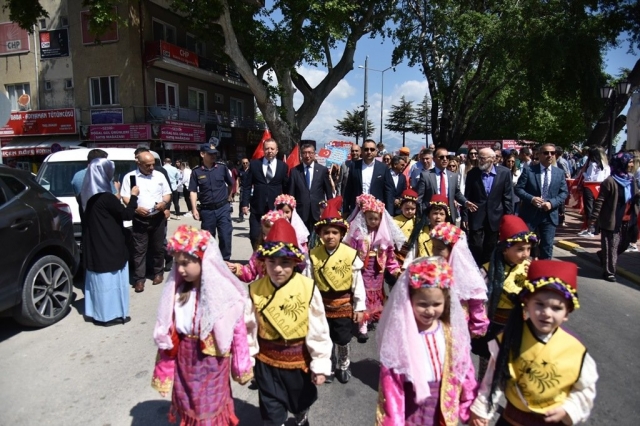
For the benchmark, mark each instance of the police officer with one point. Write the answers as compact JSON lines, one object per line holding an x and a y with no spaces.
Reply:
{"x":207,"y":185}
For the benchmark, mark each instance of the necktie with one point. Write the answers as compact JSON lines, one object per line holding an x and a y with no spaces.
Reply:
{"x":307,"y":178}
{"x":269,"y":173}
{"x":443,"y":186}
{"x":545,"y":184}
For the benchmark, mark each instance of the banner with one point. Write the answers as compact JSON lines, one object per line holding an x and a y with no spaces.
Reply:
{"x":179,"y":54}
{"x":330,"y":155}
{"x":54,"y":43}
{"x":43,"y":122}
{"x":107,"y":116}
{"x":179,"y":131}
{"x":118,"y":132}
{"x":13,"y":39}
{"x":340,"y":144}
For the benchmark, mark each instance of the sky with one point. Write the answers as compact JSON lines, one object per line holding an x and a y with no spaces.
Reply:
{"x":403,"y":80}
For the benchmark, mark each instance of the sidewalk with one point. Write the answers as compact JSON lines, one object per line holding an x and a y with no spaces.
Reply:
{"x":585,"y":247}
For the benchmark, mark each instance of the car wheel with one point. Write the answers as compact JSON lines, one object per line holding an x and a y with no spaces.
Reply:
{"x":46,"y":293}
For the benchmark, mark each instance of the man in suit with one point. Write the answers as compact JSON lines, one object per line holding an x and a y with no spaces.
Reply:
{"x":344,"y":169}
{"x":398,"y":165}
{"x":542,"y":189}
{"x":490,"y":187}
{"x":269,"y":177}
{"x":441,"y":181}
{"x":368,"y":176}
{"x":309,"y":184}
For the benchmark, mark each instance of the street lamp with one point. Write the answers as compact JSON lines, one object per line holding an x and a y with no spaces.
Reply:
{"x":610,"y":92}
{"x":381,"y":90}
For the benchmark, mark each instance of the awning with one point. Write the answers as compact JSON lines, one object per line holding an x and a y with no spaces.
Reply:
{"x":31,"y":146}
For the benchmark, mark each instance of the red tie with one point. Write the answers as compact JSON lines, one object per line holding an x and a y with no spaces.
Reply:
{"x":443,"y":187}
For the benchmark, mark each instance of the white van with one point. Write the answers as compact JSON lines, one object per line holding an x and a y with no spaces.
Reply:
{"x":58,"y":170}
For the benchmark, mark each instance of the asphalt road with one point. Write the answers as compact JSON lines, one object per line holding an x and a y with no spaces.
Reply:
{"x":74,"y":373}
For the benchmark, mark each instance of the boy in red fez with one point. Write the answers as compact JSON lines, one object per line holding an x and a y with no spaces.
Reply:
{"x":336,"y":269}
{"x":287,"y":329}
{"x":546,"y":374}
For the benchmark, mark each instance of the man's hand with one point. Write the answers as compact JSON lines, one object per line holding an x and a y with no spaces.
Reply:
{"x":472,"y":207}
{"x":245,"y":210}
{"x":396,"y":202}
{"x":117,"y":186}
{"x":537,"y":201}
{"x":160,"y":206}
{"x":167,"y":214}
{"x":141,"y":211}
{"x":196,"y":214}
{"x":317,"y":379}
{"x":546,"y":206}
{"x":557,"y":414}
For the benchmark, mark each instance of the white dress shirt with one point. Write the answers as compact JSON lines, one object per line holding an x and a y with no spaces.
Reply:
{"x":271,"y":164}
{"x":367,"y":175}
{"x":152,"y":188}
{"x":394,"y":176}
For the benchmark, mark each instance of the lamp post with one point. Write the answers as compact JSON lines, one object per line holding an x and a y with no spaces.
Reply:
{"x":381,"y":90}
{"x":610,"y":92}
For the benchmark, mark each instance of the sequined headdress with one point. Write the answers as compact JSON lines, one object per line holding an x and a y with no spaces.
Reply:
{"x":561,"y":277}
{"x":281,"y":242}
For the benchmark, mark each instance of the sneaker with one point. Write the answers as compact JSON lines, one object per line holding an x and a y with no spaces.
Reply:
{"x":189,"y":214}
{"x":343,"y":376}
{"x":302,"y":419}
{"x":175,"y":217}
{"x":584,"y":233}
{"x":632,"y":249}
{"x":611,"y":278}
{"x":329,"y":378}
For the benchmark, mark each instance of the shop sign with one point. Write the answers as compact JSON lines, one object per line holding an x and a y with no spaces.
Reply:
{"x":115,"y":132}
{"x":54,"y":44}
{"x":179,"y":131}
{"x":181,"y":146}
{"x":42,"y":122}
{"x":177,"y":53}
{"x":107,"y":116}
{"x":13,"y":39}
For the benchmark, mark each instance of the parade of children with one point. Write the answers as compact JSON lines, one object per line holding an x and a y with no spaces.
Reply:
{"x":285,"y":318}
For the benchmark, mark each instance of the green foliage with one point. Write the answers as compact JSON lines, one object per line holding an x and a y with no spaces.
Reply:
{"x":402,"y":119}
{"x":352,"y":125}
{"x":24,"y":12}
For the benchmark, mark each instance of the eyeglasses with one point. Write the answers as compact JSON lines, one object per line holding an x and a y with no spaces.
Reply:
{"x":443,"y":157}
{"x":369,"y":149}
{"x":548,"y":153}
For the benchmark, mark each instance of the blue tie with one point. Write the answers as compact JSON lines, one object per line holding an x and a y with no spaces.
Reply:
{"x":545,"y":184}
{"x":307,"y":178}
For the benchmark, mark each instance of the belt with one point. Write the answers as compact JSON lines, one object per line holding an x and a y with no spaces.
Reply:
{"x":214,"y":206}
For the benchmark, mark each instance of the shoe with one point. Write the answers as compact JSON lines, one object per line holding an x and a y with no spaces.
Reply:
{"x":611,"y":278}
{"x":343,"y":376}
{"x":241,"y":220}
{"x":175,"y":217}
{"x":167,"y":266}
{"x":373,"y":325}
{"x":363,"y":337}
{"x":633,"y":248}
{"x":139,"y":286}
{"x":189,"y":214}
{"x":115,"y":321}
{"x":329,"y":378}
{"x":302,"y":419}
{"x":583,"y":233}
{"x":158,"y":279}
{"x":253,"y":385}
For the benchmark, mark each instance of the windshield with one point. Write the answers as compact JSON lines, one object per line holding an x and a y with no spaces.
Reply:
{"x":57,"y":176}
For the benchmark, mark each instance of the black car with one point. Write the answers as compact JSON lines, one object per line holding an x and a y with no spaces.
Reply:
{"x":38,"y":253}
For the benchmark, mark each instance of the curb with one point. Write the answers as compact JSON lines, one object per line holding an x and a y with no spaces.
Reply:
{"x":580,"y":252}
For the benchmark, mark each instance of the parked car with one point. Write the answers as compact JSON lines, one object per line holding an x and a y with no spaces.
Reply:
{"x":38,"y":253}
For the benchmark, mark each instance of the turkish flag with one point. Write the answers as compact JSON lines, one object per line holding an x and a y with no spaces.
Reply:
{"x":259,"y":152}
{"x":294,"y":158}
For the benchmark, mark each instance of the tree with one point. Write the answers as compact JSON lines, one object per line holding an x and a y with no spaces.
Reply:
{"x":269,"y":43}
{"x":352,"y":125}
{"x":402,"y":119}
{"x":423,"y":112}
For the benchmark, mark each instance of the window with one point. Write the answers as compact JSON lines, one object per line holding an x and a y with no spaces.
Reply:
{"x":20,"y":96}
{"x":104,"y":91}
{"x":195,"y":45}
{"x":166,"y":94}
{"x":68,"y":83}
{"x":48,"y":86}
{"x":165,"y":32}
{"x":219,"y":98}
{"x":197,"y":99}
{"x":43,"y":24}
{"x":237,"y":108}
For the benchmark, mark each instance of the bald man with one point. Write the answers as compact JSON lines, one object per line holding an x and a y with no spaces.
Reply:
{"x":149,"y":223}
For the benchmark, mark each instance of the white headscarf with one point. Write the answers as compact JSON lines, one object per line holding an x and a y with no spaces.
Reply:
{"x":97,"y":179}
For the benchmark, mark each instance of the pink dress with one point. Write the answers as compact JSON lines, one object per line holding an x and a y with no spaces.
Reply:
{"x":251,"y":271}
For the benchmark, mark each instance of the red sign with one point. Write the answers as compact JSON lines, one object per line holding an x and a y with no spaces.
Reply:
{"x":122,"y":132}
{"x":179,"y":54}
{"x":43,"y":122}
{"x":13,"y":39}
{"x":26,"y":152}
{"x":341,"y":144}
{"x":181,"y":132}
{"x":118,"y":145}
{"x":182,"y":146}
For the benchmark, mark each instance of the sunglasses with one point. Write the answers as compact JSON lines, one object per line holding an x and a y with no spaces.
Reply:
{"x":443,"y":157}
{"x":473,"y":153}
{"x":548,"y":153}
{"x":245,"y":163}
{"x":369,"y":149}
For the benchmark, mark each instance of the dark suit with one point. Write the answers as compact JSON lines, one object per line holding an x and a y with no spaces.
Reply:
{"x":307,"y":199}
{"x":264,"y":193}
{"x":427,"y":187}
{"x":484,"y":223}
{"x":400,"y":187}
{"x":381,"y":186}
{"x":543,"y":223}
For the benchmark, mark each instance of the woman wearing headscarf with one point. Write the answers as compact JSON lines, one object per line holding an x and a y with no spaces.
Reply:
{"x":105,"y":253}
{"x":614,"y":209}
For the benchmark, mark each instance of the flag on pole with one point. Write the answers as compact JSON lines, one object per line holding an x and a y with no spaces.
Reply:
{"x":259,"y":152}
{"x":294,"y":158}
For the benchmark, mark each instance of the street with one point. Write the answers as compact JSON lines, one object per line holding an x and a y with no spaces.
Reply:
{"x":74,"y":373}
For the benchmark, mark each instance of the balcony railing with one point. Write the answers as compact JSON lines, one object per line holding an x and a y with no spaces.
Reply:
{"x":160,"y":113}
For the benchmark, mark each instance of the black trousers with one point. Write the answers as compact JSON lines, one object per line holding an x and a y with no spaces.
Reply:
{"x":587,"y":202}
{"x":187,"y":199}
{"x":147,"y":234}
{"x":482,"y":242}
{"x":175,"y":197}
{"x":255,"y":228}
{"x":340,"y":330}
{"x":282,"y":391}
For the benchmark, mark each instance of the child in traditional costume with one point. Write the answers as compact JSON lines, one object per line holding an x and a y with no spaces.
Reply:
{"x":288,"y":331}
{"x":255,"y":268}
{"x":375,"y":236}
{"x":287,"y":204}
{"x":426,"y":372}
{"x":450,"y":242}
{"x":336,"y":270}
{"x":406,"y":221}
{"x":200,"y":332}
{"x":546,"y":374}
{"x":314,"y":238}
{"x":420,"y":243}
{"x":505,"y":275}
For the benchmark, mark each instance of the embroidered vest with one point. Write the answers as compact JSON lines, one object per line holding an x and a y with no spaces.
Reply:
{"x":424,"y":244}
{"x":283,"y":313}
{"x":542,"y":377}
{"x":405,"y":225}
{"x":514,"y":277}
{"x":333,"y":272}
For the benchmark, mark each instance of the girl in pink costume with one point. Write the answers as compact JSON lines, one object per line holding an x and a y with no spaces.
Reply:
{"x":255,"y":268}
{"x":287,"y":204}
{"x":373,"y":233}
{"x":200,"y":333}
{"x":426,"y":373}
{"x":450,"y":242}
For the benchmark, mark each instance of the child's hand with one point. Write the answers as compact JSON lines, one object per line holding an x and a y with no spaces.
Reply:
{"x":163,"y":394}
{"x":557,"y":414}
{"x":318,"y":379}
{"x":232,"y":267}
{"x":357,"y":317}
{"x":477,"y":421}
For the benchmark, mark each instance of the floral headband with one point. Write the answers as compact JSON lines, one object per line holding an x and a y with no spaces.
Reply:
{"x":363,"y":198}
{"x":271,"y":216}
{"x":369,"y":203}
{"x":447,"y":233}
{"x":550,"y":283}
{"x":430,"y":272}
{"x":190,"y":240}
{"x":286,"y":200}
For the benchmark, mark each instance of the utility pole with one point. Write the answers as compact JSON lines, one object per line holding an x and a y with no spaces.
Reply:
{"x":366,"y":106}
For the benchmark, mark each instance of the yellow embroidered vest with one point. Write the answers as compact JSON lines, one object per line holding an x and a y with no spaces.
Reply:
{"x":424,"y":244}
{"x":405,"y":225}
{"x":333,"y":271}
{"x":283,"y":313}
{"x":542,"y":377}
{"x":513,"y":281}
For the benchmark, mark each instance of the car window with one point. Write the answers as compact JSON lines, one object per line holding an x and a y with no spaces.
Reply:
{"x":56,"y":177}
{"x":14,"y":185}
{"x":4,"y":196}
